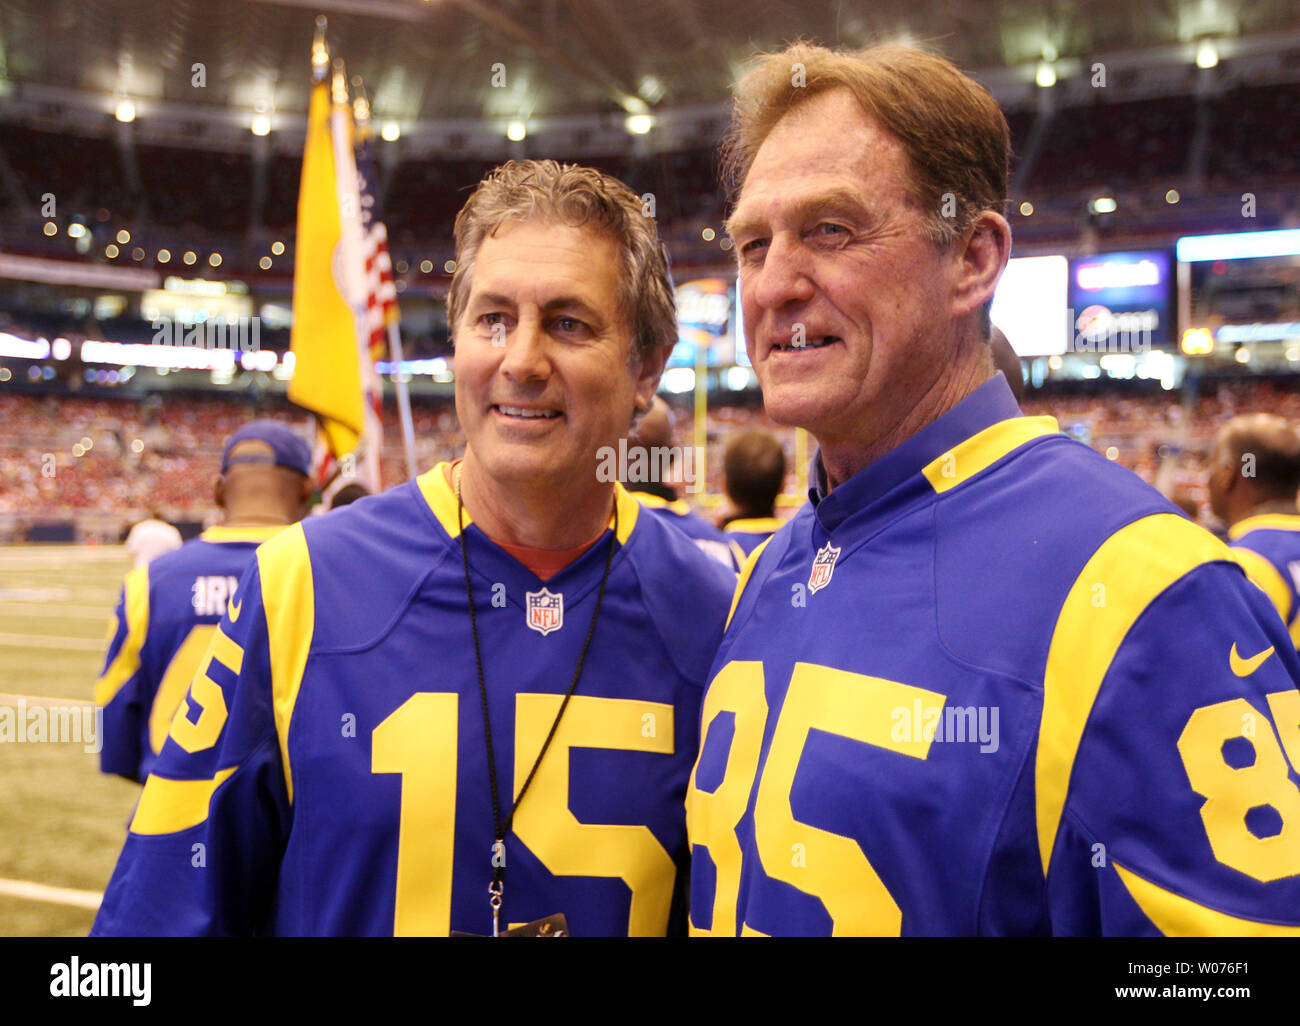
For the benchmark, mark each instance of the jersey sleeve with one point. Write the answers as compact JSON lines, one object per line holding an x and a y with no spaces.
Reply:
{"x":203,"y":848}
{"x":121,"y":690}
{"x":1179,"y":806}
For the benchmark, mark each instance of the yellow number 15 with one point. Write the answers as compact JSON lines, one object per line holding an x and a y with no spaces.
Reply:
{"x":419,"y":741}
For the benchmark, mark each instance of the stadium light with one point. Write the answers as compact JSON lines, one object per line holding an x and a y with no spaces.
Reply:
{"x":51,"y":229}
{"x":277,"y":248}
{"x":1197,"y":342}
{"x":1103,"y":205}
{"x":1239,"y":245}
{"x":1027,"y":209}
{"x":123,"y":236}
{"x":1172,"y":197}
{"x":261,"y":125}
{"x":164,"y":256}
{"x":1046,"y":77}
{"x":125,"y":111}
{"x":76,"y":230}
{"x":1207,"y":54}
{"x":516,"y":131}
{"x":638,"y":124}
{"x":189,"y":257}
{"x":391,"y":131}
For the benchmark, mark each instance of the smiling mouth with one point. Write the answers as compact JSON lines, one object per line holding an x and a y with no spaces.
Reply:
{"x":812,"y":343}
{"x":523,"y":413}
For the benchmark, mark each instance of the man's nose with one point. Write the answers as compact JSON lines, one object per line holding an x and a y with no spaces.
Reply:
{"x":785,"y":274}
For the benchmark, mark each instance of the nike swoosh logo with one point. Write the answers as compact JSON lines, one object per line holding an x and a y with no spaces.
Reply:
{"x":234,"y":608}
{"x":1245,"y":667}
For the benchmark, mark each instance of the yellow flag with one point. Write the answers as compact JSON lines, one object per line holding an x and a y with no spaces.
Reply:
{"x":326,"y":373}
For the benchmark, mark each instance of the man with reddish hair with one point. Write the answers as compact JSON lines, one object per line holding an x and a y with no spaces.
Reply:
{"x":957,"y":693}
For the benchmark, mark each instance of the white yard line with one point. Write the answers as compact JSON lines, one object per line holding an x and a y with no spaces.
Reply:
{"x":54,"y":895}
{"x":53,"y":609}
{"x":8,"y":699}
{"x":51,"y":641}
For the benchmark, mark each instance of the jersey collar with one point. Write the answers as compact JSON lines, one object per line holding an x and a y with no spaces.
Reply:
{"x":1264,"y":522}
{"x":252,"y":533}
{"x":992,"y":403}
{"x":441,"y":499}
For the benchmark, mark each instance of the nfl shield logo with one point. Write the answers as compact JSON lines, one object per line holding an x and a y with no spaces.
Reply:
{"x":822,"y":568}
{"x":545,"y":611}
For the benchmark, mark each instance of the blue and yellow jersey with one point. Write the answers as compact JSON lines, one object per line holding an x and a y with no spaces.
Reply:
{"x":750,"y":532}
{"x":994,"y":684}
{"x":327,"y":773}
{"x":166,"y":615}
{"x":707,"y":538}
{"x":1268,"y":548}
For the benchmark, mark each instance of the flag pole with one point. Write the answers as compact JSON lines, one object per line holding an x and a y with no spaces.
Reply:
{"x":403,"y":399}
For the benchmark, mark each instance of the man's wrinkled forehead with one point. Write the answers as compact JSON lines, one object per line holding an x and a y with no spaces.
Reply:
{"x":827,"y":152}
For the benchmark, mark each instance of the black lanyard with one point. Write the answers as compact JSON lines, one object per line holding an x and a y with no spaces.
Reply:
{"x":496,"y":889}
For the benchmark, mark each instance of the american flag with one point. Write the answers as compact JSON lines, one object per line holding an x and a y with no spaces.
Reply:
{"x":381,"y":293}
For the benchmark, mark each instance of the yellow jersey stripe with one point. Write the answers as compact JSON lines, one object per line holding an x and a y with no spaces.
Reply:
{"x":1266,"y":577}
{"x":168,"y":806}
{"x":1176,"y":916}
{"x":753,"y":525}
{"x":127,"y":662}
{"x":745,"y":571}
{"x":259,"y":533}
{"x":289,"y":599}
{"x":628,"y":510}
{"x":441,"y":498}
{"x":1123,"y":577}
{"x":678,"y":506}
{"x":1265,"y":522}
{"x":982,"y":450}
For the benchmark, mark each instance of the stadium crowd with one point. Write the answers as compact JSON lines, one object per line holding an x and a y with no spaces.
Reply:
{"x":159,"y":454}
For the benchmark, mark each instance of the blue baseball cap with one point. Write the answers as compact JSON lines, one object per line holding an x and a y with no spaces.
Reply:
{"x":287,"y":445}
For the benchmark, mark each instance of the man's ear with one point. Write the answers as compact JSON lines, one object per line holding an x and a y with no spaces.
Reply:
{"x":984,"y":252}
{"x":219,"y":492}
{"x":308,"y":490}
{"x":652,"y":369}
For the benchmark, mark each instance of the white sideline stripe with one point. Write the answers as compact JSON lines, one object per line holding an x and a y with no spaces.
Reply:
{"x":54,"y":895}
{"x":8,"y":699}
{"x":50,"y":641}
{"x":36,"y":609}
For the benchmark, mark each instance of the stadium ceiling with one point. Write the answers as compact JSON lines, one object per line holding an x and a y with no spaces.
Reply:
{"x":438,"y":62}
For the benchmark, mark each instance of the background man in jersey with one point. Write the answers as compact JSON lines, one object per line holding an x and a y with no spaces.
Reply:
{"x":151,"y":537}
{"x":753,"y":469}
{"x":986,"y":681}
{"x":1253,"y":480}
{"x":168,"y":610}
{"x":652,"y":436}
{"x":363,"y":733}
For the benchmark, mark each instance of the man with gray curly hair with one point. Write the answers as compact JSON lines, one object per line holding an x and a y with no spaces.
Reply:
{"x":469,"y":704}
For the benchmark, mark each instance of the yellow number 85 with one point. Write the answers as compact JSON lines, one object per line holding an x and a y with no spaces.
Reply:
{"x":1230,"y":792}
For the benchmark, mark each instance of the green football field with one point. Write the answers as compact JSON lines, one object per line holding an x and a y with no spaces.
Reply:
{"x":62,"y":822}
